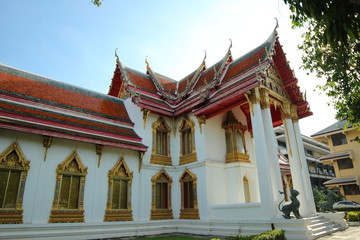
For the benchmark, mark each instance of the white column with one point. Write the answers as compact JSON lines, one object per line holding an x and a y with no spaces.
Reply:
{"x":296,"y":166}
{"x":263,"y":165}
{"x":272,"y":148}
{"x":305,"y":171}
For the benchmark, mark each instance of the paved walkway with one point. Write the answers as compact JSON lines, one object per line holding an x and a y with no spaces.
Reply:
{"x":352,"y":233}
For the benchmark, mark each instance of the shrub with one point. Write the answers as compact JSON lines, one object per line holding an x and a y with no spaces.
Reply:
{"x":272,"y":235}
{"x":353,"y":216}
{"x":346,"y":209}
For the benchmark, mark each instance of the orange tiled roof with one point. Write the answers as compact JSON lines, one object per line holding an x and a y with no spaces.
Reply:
{"x":39,"y":105}
{"x":222,"y":84}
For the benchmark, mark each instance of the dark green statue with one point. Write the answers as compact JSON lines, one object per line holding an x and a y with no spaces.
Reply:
{"x":293,"y":207}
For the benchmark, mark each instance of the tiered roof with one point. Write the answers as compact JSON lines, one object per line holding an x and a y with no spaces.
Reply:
{"x":210,"y":91}
{"x":34,"y":104}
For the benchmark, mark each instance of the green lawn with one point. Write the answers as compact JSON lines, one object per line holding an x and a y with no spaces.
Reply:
{"x":170,"y":238}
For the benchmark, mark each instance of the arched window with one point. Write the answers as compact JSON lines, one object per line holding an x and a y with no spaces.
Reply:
{"x":13,"y":173}
{"x":69,"y":191}
{"x":187,"y":141}
{"x":246,"y":190}
{"x":161,"y":143}
{"x":118,"y":207}
{"x":161,"y":197}
{"x":235,"y":141}
{"x":189,"y":205}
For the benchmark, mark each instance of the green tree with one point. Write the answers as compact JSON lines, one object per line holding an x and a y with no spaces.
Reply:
{"x":331,"y":47}
{"x":97,"y":2}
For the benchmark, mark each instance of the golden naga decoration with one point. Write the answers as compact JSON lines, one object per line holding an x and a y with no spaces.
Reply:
{"x":99,"y":152}
{"x":146,"y":113}
{"x":47,"y":141}
{"x":201,"y":120}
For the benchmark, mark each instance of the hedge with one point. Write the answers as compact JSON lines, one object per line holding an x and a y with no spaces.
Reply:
{"x":271,"y":235}
{"x":353,"y":216}
{"x":346,"y":209}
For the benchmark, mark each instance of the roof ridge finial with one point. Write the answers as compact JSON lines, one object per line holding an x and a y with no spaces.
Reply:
{"x":117,"y":57}
{"x":204,"y":56}
{"x":147,"y":62}
{"x":230,"y":44}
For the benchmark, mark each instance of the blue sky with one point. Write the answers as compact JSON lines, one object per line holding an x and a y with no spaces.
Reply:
{"x":74,"y":41}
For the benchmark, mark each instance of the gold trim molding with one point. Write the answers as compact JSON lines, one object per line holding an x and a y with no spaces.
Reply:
{"x":163,"y":213}
{"x":12,"y":158}
{"x":119,"y":171}
{"x":189,"y":213}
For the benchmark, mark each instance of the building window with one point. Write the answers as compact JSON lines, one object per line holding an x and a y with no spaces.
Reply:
{"x":161,"y":143}
{"x":161,"y":200}
{"x":351,"y":189}
{"x":187,"y":141}
{"x":69,"y":191}
{"x":338,"y":139}
{"x":345,"y":163}
{"x":13,"y":173}
{"x":246,"y":190}
{"x":118,"y":207}
{"x":235,"y":140}
{"x":189,"y":208}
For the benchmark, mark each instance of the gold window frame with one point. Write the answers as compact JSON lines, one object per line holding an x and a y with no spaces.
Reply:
{"x":162,"y":213}
{"x":71,"y":166}
{"x":7,"y":162}
{"x":191,"y":155}
{"x":189,"y":213}
{"x":119,"y":171}
{"x":232,"y":127}
{"x":164,"y":159}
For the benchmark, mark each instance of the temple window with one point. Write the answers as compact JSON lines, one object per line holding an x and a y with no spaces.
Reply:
{"x":345,"y":163}
{"x":161,"y":143}
{"x":235,"y":140}
{"x":246,"y":190}
{"x":338,"y":139}
{"x":187,"y":141}
{"x":13,"y":173}
{"x":69,"y":191}
{"x":189,"y":208}
{"x":118,"y":206}
{"x":161,"y":197}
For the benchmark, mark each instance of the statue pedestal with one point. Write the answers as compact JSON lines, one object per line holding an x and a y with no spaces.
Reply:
{"x":336,"y":217}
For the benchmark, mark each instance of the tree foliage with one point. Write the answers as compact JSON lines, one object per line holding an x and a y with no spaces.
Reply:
{"x":331,"y":47}
{"x":97,"y":2}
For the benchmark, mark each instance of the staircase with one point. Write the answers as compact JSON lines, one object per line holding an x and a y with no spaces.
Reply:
{"x":320,"y":226}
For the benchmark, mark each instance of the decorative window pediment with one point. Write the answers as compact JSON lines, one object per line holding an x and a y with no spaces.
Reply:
{"x":187,"y":141}
{"x":161,"y":143}
{"x":13,"y":174}
{"x":161,"y":197}
{"x":69,"y":191}
{"x":189,"y":205}
{"x":118,"y":207}
{"x":235,"y":140}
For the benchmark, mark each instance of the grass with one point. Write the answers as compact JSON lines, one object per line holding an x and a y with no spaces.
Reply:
{"x":170,"y":238}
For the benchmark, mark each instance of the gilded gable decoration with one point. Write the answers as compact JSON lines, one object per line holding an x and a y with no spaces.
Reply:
{"x":161,"y":196}
{"x":69,"y":191}
{"x":13,"y":173}
{"x":118,"y":205}
{"x":189,"y":204}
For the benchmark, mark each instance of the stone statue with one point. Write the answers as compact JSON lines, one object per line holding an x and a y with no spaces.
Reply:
{"x":292,"y":207}
{"x":328,"y":204}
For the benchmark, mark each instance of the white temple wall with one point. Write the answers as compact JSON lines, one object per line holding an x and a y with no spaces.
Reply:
{"x":40,"y":182}
{"x":214,"y":139}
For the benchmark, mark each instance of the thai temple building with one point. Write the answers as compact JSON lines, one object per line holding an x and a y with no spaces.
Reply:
{"x":155,"y":155}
